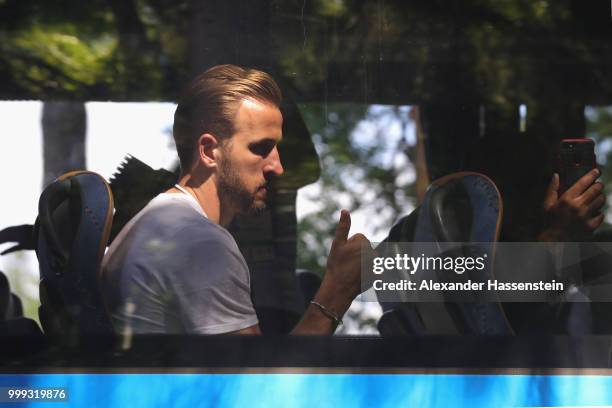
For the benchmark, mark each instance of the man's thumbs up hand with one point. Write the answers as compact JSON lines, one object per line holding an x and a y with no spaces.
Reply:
{"x":343,"y":271}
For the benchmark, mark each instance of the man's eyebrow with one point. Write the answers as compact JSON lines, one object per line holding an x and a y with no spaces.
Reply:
{"x":266,"y":140}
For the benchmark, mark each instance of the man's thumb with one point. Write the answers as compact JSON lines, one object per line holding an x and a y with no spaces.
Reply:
{"x":343,"y":227}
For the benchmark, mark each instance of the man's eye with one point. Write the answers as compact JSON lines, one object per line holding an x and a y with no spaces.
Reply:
{"x":262,"y":149}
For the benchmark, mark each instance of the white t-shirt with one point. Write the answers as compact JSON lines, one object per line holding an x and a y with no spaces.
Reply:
{"x":172,"y":270}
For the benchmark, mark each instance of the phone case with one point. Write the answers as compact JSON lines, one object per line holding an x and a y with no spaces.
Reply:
{"x":576,"y":158}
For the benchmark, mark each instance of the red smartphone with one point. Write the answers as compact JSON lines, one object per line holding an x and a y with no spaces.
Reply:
{"x":575,"y":159}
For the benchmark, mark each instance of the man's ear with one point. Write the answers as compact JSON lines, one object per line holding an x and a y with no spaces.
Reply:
{"x":207,"y":146}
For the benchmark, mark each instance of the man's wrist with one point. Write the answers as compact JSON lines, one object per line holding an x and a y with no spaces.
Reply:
{"x":333,"y":297}
{"x":330,"y":314}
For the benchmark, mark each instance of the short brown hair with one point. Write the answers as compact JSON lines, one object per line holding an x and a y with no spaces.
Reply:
{"x":210,"y":102}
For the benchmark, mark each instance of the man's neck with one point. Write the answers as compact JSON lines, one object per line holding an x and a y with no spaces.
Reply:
{"x":206,"y":194}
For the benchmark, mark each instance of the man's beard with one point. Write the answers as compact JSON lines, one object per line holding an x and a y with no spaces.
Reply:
{"x":233,"y":192}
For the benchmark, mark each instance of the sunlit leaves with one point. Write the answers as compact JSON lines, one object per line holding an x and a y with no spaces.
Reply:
{"x":65,"y":60}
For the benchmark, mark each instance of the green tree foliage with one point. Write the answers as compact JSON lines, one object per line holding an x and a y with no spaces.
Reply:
{"x":362,"y":168}
{"x":108,"y":49}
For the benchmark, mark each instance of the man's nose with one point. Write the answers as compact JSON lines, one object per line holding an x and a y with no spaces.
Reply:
{"x":274,"y":164}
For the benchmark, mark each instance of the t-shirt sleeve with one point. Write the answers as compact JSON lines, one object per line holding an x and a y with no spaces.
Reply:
{"x":213,"y":286}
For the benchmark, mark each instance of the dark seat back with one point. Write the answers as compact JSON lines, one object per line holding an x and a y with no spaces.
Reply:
{"x":464,"y":208}
{"x":75,"y":216}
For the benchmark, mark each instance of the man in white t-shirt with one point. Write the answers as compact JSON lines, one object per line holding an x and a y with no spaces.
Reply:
{"x":174,"y":268}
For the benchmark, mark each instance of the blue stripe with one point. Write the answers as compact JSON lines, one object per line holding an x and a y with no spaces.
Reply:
{"x":319,"y":390}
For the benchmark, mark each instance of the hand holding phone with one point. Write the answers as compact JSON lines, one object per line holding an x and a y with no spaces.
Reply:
{"x":575,"y":159}
{"x":574,"y":198}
